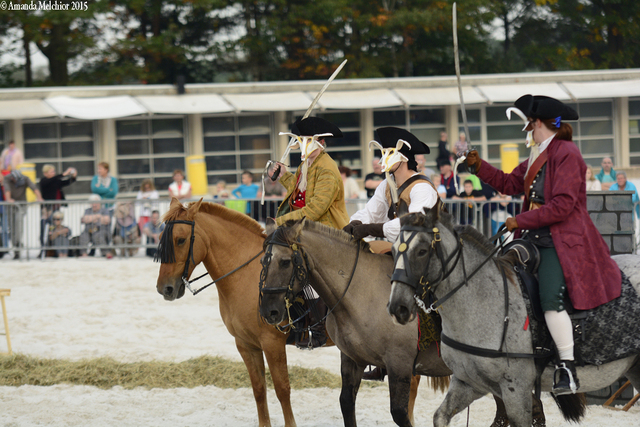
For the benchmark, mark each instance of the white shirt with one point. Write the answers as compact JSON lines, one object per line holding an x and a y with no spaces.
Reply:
{"x":376,"y":210}
{"x":183,"y":190}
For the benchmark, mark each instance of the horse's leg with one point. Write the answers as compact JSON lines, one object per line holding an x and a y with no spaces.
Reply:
{"x":255,"y":365}
{"x":459,"y":396}
{"x":400,"y":382}
{"x":351,"y":378}
{"x":415,"y":382}
{"x":501,"y":419}
{"x":276,"y":356}
{"x":518,"y":402}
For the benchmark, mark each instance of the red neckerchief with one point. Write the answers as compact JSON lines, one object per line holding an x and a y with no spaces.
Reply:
{"x":446,"y":182}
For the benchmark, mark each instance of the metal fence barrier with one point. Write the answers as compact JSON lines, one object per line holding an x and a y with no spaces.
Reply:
{"x":24,"y":226}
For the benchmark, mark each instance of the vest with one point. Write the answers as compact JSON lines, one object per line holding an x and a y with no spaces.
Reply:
{"x":404,"y":196}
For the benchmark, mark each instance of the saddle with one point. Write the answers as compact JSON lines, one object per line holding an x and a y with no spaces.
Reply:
{"x":529,"y":259}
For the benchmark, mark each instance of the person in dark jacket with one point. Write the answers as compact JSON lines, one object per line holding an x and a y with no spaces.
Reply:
{"x":574,"y":259}
{"x":51,"y":185}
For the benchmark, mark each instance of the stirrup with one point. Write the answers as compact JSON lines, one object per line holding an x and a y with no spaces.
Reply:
{"x":564,"y":379}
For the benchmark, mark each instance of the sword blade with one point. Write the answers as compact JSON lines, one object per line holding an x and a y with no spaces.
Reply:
{"x":457,"y":65}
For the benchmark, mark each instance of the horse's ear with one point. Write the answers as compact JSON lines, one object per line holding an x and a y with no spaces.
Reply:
{"x":174,"y":202}
{"x":297,"y":227}
{"x":270,"y":225}
{"x":193,"y":209}
{"x":432,"y":215}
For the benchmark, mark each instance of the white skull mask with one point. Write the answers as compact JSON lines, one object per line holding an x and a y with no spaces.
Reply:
{"x":392,"y":155}
{"x":529,"y":137}
{"x":307,"y":144}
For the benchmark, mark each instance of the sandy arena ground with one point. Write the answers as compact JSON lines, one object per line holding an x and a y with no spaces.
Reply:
{"x":85,"y":308}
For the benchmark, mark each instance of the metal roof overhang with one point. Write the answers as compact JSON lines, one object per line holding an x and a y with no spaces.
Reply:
{"x":608,"y":89}
{"x":25,"y":109}
{"x":359,"y":99}
{"x":185,"y":104}
{"x":510,"y":92}
{"x":439,"y":96}
{"x":108,"y":107}
{"x":277,"y":101}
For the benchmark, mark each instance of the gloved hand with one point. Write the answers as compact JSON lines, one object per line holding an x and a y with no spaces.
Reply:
{"x":511,"y":223}
{"x":349,"y":227}
{"x":473,"y":161}
{"x":364,"y":230}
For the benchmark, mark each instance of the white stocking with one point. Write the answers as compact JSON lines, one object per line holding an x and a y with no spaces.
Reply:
{"x":561,"y":330}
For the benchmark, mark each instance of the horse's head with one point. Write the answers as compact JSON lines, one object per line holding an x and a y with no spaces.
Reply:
{"x":179,"y":251}
{"x":419,"y":256}
{"x":284,"y":272}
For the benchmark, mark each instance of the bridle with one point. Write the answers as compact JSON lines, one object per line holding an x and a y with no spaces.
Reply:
{"x":299,"y":274}
{"x":166,"y":245}
{"x":424,"y":289}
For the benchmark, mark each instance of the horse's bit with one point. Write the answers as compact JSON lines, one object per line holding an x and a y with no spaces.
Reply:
{"x":185,"y":274}
{"x":300,"y":273}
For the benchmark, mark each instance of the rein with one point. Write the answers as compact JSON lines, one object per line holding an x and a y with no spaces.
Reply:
{"x":165,"y":254}
{"x":301,"y":274}
{"x":426,"y":289}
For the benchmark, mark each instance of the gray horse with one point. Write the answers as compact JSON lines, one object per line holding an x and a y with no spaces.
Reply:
{"x":354,"y":284}
{"x":449,"y":261}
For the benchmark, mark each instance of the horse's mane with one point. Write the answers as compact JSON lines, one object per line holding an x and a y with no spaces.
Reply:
{"x":325,"y":230}
{"x":220,"y":211}
{"x":469,"y":234}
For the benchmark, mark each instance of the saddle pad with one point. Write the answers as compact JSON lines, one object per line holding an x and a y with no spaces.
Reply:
{"x":611,"y":330}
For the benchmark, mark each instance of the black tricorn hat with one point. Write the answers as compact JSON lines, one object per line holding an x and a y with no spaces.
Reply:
{"x":545,"y":107}
{"x":315,"y":126}
{"x":388,"y":137}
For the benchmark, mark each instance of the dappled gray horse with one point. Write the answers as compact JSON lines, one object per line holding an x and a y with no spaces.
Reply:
{"x":484,"y":317}
{"x":354,"y":284}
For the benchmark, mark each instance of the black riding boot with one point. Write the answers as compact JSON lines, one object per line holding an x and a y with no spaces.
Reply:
{"x":376,"y":374}
{"x":317,"y":333}
{"x":565,"y":380}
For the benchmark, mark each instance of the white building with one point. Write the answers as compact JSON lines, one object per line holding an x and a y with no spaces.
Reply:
{"x":147,"y":131}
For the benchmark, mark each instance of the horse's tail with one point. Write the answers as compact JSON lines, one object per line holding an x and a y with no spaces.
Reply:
{"x":572,"y":406}
{"x":439,"y":383}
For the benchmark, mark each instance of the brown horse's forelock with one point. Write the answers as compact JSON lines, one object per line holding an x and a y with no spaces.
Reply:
{"x":165,"y":253}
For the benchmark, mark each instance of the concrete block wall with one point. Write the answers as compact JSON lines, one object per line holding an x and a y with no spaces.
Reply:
{"x":612,"y":213}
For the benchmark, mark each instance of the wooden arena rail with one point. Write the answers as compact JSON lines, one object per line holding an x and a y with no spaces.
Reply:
{"x":5,"y":293}
{"x":617,"y":394}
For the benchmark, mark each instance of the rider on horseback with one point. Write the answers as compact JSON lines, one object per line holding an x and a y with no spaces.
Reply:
{"x":404,"y":190}
{"x":575,"y":260}
{"x":314,"y":192}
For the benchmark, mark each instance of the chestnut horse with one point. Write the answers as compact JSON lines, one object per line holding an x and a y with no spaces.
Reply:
{"x":223,"y":239}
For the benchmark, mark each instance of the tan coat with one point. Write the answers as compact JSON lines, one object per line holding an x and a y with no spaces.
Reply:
{"x":324,"y":195}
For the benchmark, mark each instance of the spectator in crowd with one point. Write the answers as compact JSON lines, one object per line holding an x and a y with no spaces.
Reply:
{"x":446,"y":177}
{"x":4,"y":221}
{"x":436,"y":180}
{"x":11,"y":157}
{"x":126,"y":231}
{"x":443,"y":151}
{"x":97,"y":223}
{"x":351,"y":188}
{"x":592,"y":183}
{"x":607,"y":175}
{"x":152,"y":230}
{"x":51,"y":185}
{"x":422,"y":168}
{"x":103,"y":184}
{"x":221,"y":190}
{"x":461,"y":146}
{"x":16,"y":185}
{"x":274,"y":192}
{"x":147,"y":193}
{"x":373,"y":179}
{"x":58,"y":236}
{"x":471,"y":195}
{"x":622,"y":184}
{"x":180,"y":188}
{"x":247,"y":190}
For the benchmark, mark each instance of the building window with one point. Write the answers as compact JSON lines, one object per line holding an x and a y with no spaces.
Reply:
{"x":233,"y":144}
{"x":634,"y":131}
{"x":63,"y":144}
{"x":593,"y":133}
{"x":149,"y":148}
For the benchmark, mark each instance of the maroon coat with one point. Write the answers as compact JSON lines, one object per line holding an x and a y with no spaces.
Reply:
{"x":592,"y":277}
